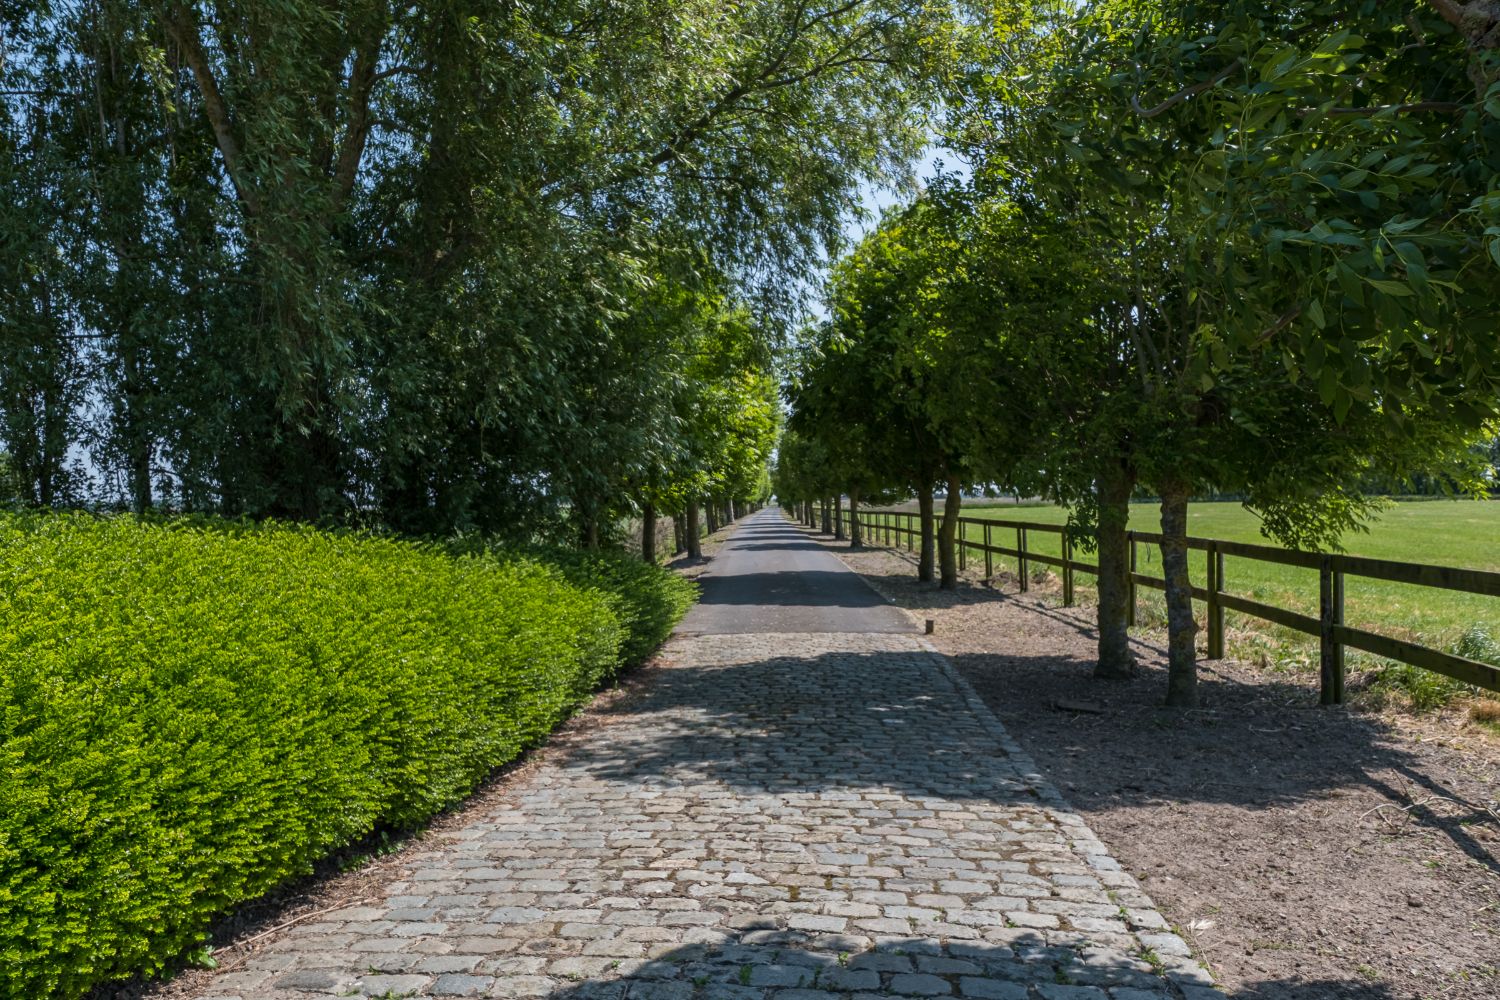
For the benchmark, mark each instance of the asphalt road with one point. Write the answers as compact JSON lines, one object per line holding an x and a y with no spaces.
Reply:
{"x":769,"y":577}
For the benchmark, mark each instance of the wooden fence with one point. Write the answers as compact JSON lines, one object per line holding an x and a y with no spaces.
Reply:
{"x":1333,"y":635}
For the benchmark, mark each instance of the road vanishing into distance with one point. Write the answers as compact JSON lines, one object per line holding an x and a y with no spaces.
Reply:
{"x":770,"y":577}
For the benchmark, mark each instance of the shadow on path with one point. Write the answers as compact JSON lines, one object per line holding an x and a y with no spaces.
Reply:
{"x":765,"y":961}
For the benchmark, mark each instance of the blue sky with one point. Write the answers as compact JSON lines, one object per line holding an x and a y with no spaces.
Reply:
{"x":876,"y":200}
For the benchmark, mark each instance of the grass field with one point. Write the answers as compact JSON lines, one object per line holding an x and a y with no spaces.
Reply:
{"x":1463,"y":533}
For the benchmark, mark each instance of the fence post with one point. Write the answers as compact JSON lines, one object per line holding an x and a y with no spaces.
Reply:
{"x":1021,"y":559}
{"x":1215,"y":613}
{"x":1067,"y":568}
{"x":962,"y":561}
{"x":911,"y":539}
{"x":1330,"y":614}
{"x":1130,"y":584}
{"x":989,"y":560}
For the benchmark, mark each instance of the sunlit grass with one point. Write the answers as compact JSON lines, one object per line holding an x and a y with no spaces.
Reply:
{"x":1462,"y":533}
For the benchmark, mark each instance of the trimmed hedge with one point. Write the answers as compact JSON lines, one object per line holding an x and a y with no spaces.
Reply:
{"x":649,"y":601}
{"x":193,"y":712}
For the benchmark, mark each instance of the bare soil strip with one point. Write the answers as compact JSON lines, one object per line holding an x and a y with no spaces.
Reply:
{"x":1304,"y":853}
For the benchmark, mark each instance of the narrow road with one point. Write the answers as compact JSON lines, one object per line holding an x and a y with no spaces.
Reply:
{"x":803,"y":801}
{"x":770,"y":577}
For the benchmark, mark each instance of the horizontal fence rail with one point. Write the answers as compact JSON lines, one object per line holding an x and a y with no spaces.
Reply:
{"x":892,"y":528}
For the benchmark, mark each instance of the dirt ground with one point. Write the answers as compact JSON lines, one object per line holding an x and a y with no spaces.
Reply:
{"x":1306,"y":853}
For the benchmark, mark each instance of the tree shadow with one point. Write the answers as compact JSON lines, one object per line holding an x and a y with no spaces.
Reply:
{"x":837,"y":720}
{"x":797,"y":589}
{"x":1256,"y":745}
{"x":1315,"y":989}
{"x":802,"y":544}
{"x":810,"y":723}
{"x":762,"y":960}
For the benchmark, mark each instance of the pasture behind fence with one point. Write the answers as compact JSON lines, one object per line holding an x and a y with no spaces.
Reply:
{"x":892,"y":528}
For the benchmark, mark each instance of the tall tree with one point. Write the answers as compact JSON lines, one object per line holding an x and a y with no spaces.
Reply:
{"x":1068,"y":131}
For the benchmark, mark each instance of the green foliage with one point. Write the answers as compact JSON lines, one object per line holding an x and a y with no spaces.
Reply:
{"x":1478,"y":643}
{"x":192,"y":712}
{"x":423,"y":266}
{"x":647,"y":601}
{"x":1422,"y":689}
{"x":1308,"y":180}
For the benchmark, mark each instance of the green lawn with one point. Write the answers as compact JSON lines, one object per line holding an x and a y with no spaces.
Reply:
{"x":1463,"y":533}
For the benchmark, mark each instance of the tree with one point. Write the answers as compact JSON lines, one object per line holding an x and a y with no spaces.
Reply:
{"x":882,"y":335}
{"x":1068,"y":134}
{"x":377,"y":264}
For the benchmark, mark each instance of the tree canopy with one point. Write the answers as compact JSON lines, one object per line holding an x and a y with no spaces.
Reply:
{"x":1240,"y":248}
{"x":431,"y":266}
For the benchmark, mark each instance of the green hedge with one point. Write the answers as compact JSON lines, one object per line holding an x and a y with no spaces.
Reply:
{"x":649,"y":601}
{"x":192,"y":712}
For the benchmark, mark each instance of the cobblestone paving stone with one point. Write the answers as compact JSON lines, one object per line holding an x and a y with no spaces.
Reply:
{"x":778,"y":817}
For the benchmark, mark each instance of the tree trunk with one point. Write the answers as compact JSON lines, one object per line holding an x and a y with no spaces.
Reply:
{"x":53,"y":444}
{"x":1115,"y":484}
{"x":679,"y":537}
{"x":137,"y":434}
{"x":838,"y":516}
{"x":856,"y":536}
{"x":317,"y":453}
{"x":1182,"y":667}
{"x":588,"y":528}
{"x":827,"y":506}
{"x":711,"y":511}
{"x":925,"y":559}
{"x":694,"y":543}
{"x":648,"y":534}
{"x":947,"y":550}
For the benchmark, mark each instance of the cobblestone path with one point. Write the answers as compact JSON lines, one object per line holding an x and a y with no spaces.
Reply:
{"x":778,"y":816}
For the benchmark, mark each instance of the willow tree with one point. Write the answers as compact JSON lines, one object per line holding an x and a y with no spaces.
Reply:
{"x":381,"y":249}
